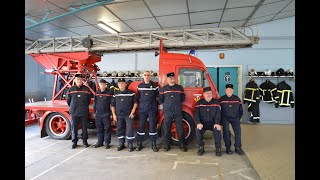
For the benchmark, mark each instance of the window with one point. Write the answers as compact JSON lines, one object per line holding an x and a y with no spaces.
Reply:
{"x":191,"y":78}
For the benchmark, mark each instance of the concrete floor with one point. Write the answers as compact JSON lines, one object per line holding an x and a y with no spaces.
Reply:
{"x":47,"y":159}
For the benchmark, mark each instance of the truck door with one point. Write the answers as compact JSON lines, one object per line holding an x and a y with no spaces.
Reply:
{"x":224,"y":75}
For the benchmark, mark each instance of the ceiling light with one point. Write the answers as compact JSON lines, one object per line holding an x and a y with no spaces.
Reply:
{"x":106,"y":27}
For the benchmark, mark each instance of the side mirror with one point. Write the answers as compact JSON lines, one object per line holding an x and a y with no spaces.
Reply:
{"x":156,"y":53}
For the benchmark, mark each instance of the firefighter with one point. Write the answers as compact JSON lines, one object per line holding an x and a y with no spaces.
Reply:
{"x":252,"y":97}
{"x":231,"y":112}
{"x":78,"y":99}
{"x":148,"y":94}
{"x":207,"y":116}
{"x":171,"y":96}
{"x":101,"y":109}
{"x":123,"y":106}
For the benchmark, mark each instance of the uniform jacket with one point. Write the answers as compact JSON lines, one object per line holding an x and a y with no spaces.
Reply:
{"x":251,"y":92}
{"x":268,"y":92}
{"x":231,"y":107}
{"x":123,"y":101}
{"x":172,"y":98}
{"x":148,"y":94}
{"x":102,"y":101}
{"x":207,"y":113}
{"x":285,"y":95}
{"x":78,"y":100}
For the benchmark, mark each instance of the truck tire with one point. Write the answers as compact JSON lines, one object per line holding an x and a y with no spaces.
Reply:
{"x":58,"y":126}
{"x":189,"y":130}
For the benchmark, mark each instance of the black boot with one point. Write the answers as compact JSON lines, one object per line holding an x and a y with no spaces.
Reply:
{"x":218,"y":151}
{"x":228,"y":150}
{"x":139,"y":147}
{"x":200,"y":151}
{"x":120,"y":147}
{"x":239,"y":151}
{"x":107,"y":146}
{"x":74,"y":145}
{"x":166,"y":147}
{"x":183,"y":148}
{"x":130,"y":147}
{"x":85,"y":143}
{"x":154,"y":146}
{"x":98,"y":144}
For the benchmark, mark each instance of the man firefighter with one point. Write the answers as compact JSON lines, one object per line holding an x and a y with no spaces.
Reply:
{"x":231,"y":113}
{"x":148,"y":106}
{"x":78,"y":99}
{"x":123,"y":106}
{"x":101,"y":109}
{"x":171,"y":96}
{"x":207,"y":116}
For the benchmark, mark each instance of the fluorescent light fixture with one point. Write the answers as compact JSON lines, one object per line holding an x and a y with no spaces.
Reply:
{"x":106,"y":27}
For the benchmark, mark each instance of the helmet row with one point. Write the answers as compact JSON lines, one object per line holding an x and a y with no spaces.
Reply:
{"x":124,"y":74}
{"x":268,"y":72}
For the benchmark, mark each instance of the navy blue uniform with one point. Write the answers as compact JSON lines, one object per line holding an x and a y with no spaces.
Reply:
{"x":172,"y":98}
{"x":78,"y":99}
{"x":208,"y":114}
{"x":231,"y":112}
{"x":123,"y":102}
{"x":148,"y":106}
{"x":101,"y":109}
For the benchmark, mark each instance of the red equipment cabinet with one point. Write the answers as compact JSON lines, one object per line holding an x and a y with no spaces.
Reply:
{"x":55,"y":119}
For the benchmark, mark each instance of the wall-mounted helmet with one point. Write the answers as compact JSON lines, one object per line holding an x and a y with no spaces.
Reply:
{"x":280,"y":72}
{"x":114,"y":74}
{"x":104,"y":74}
{"x":267,"y":72}
{"x":120,"y":74}
{"x":289,"y":72}
{"x":260,"y":73}
{"x":252,"y":72}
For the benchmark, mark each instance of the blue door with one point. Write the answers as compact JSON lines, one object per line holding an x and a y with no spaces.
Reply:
{"x":224,"y":75}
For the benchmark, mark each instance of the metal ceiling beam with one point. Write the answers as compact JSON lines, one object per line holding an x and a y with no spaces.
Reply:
{"x":73,"y":11}
{"x":253,"y":12}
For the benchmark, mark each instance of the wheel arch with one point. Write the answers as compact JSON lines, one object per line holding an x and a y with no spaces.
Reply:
{"x":43,"y":118}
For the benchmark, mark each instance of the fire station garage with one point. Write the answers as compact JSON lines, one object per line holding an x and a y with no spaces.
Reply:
{"x":150,"y":89}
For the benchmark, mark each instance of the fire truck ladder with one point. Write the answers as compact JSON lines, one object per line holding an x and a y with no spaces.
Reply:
{"x":172,"y":39}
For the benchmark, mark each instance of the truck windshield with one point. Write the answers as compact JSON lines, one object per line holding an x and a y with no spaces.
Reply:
{"x":191,"y":78}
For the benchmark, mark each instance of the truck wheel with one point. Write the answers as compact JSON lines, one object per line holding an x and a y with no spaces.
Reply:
{"x":188,"y":127}
{"x":58,"y":126}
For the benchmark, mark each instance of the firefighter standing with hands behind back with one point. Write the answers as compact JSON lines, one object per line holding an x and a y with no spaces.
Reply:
{"x":231,"y":113}
{"x":171,"y":96}
{"x":78,"y":99}
{"x":148,"y":106}
{"x":123,"y":106}
{"x":101,"y":109}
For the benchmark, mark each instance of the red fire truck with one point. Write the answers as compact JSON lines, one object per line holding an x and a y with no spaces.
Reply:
{"x":54,"y":119}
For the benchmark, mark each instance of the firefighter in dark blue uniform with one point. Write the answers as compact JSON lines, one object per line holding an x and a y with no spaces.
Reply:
{"x":231,"y":112}
{"x":123,"y":106}
{"x":207,"y":115}
{"x":101,"y":109}
{"x":78,"y":99}
{"x":148,"y":106}
{"x":172,"y":95}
